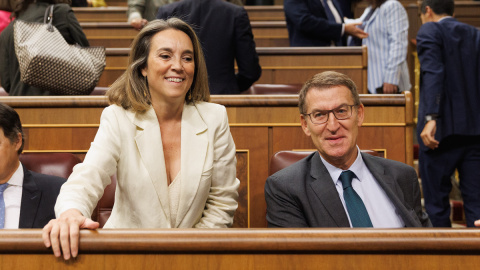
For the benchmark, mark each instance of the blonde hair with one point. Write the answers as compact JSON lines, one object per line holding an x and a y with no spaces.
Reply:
{"x":131,"y":91}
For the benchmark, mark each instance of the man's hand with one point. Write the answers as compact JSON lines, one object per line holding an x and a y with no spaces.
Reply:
{"x":390,"y":88}
{"x":428,"y":134}
{"x":353,"y":30}
{"x":138,"y":23}
{"x":477,"y":223}
{"x":64,"y":233}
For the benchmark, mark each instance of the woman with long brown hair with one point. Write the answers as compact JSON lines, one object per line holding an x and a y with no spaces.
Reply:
{"x":171,"y":149}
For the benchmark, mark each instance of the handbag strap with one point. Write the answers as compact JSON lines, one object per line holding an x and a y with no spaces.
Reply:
{"x":48,"y":17}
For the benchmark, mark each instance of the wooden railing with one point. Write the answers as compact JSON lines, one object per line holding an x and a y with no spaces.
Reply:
{"x":250,"y":249}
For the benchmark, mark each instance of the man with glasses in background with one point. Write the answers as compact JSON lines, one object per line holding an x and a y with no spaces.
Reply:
{"x":338,"y":186}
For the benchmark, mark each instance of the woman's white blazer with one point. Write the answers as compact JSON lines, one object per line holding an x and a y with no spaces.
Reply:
{"x":129,"y":144}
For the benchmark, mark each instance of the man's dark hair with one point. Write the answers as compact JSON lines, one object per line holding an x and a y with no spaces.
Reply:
{"x":11,"y":125}
{"x":326,"y":80}
{"x":439,"y":7}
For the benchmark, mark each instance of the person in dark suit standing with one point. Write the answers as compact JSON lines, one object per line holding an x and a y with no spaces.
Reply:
{"x":338,"y":186}
{"x":28,"y":197}
{"x":318,"y":23}
{"x":449,"y":110}
{"x":226,"y":36}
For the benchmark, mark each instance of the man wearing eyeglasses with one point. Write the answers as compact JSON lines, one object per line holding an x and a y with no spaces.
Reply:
{"x":338,"y":186}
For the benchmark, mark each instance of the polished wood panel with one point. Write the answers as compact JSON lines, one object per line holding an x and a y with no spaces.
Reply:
{"x":241,"y":218}
{"x":101,"y":14}
{"x":260,"y":125}
{"x":266,"y":13}
{"x":121,"y":34}
{"x":291,"y":65}
{"x":119,"y":13}
{"x":251,"y":249}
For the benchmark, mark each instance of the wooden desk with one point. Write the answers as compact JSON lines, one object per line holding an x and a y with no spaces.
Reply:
{"x":260,"y":126}
{"x":119,"y":13}
{"x":250,"y":249}
{"x":291,"y":65}
{"x":121,"y":34}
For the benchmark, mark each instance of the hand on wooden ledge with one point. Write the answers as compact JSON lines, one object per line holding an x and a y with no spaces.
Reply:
{"x":63,"y":233}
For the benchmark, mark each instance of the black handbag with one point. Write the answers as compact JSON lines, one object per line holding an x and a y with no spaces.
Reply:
{"x":48,"y":62}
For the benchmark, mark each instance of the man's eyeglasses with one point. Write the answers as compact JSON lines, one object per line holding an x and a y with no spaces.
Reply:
{"x":341,"y":113}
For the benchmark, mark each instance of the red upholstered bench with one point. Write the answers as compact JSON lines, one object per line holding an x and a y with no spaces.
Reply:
{"x":61,"y":164}
{"x":283,"y":159}
{"x":58,"y":164}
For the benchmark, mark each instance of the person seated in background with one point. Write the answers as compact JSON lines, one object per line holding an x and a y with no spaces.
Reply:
{"x":226,"y":36}
{"x":27,"y":198}
{"x":171,"y":149}
{"x":33,"y":11}
{"x":318,"y":23}
{"x":386,"y":23}
{"x":338,"y":186}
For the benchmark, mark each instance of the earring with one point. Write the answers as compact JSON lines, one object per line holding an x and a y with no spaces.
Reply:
{"x":190,"y":94}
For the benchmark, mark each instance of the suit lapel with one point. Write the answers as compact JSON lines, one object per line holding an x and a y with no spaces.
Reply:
{"x":194,"y":143}
{"x":149,"y":143}
{"x":338,"y":8}
{"x":391,"y":188}
{"x":30,"y":201}
{"x":326,"y":192}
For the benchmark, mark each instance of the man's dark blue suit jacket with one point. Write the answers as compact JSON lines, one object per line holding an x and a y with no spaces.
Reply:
{"x":308,"y":24}
{"x":449,"y":54}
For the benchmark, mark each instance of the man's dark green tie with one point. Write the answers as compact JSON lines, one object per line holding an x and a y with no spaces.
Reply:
{"x":355,"y":207}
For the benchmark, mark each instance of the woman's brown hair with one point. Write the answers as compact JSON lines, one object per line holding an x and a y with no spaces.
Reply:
{"x":131,"y":91}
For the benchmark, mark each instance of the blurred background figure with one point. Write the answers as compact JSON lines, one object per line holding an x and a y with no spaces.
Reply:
{"x":226,"y":36}
{"x":6,"y":7}
{"x":140,"y":12}
{"x":318,"y":23}
{"x":4,"y":19}
{"x":34,"y":11}
{"x":448,"y":125}
{"x":386,"y":23}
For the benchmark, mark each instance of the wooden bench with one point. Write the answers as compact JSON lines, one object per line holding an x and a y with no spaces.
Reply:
{"x":261,"y":125}
{"x":119,"y":13}
{"x":465,"y":11}
{"x":121,"y":34}
{"x":280,"y":65}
